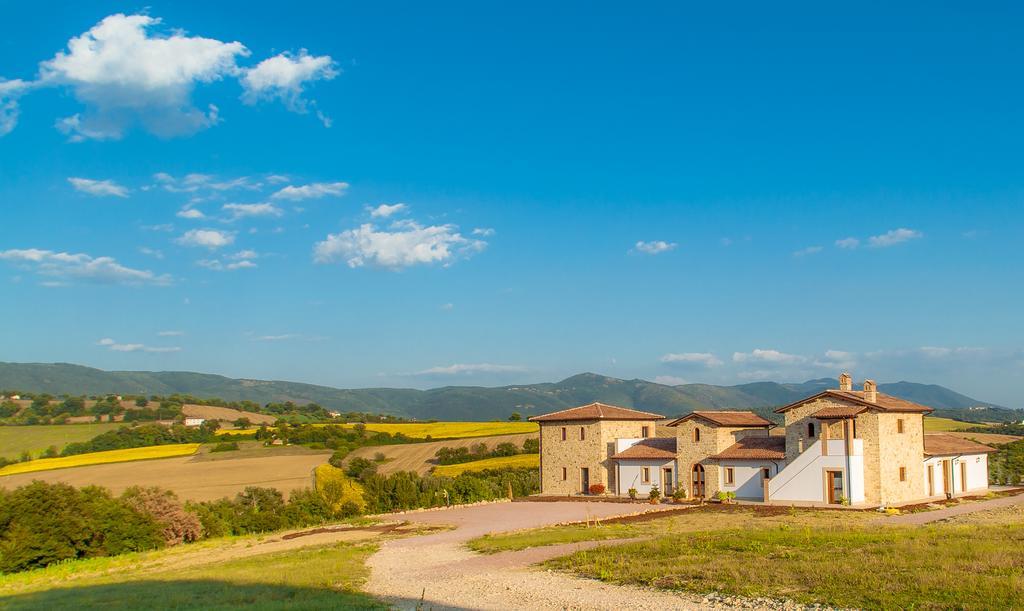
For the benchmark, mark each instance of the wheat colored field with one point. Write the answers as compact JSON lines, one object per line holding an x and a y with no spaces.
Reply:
{"x":99,"y":458}
{"x":419,"y":457}
{"x":435,"y":430}
{"x":502,"y":462}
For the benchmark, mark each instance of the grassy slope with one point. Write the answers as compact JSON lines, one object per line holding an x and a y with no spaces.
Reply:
{"x":310,"y":578}
{"x":16,"y":439}
{"x":501,"y":462}
{"x":100,"y":458}
{"x":940,"y":425}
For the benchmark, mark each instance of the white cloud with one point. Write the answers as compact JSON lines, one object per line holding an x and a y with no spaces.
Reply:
{"x":206,"y":238}
{"x":311,"y":191}
{"x":190,"y":213}
{"x":10,"y":91}
{"x":669,"y":380}
{"x":277,"y":338}
{"x":385,"y":210}
{"x":191,"y":183}
{"x":405,"y":244}
{"x":810,"y":250}
{"x":447,"y":306}
{"x":767,"y":356}
{"x":110,"y":344}
{"x":848,"y":243}
{"x":469,"y":369}
{"x":483,"y":232}
{"x":837,"y":359}
{"x":170,"y":333}
{"x":655,"y":247}
{"x":238,"y":211}
{"x":152,"y":252}
{"x":82,"y":266}
{"x":894,"y":237}
{"x":99,"y":188}
{"x":219,"y":266}
{"x":284,"y":76}
{"x":244,"y":254}
{"x":125,"y":74}
{"x":699,"y":358}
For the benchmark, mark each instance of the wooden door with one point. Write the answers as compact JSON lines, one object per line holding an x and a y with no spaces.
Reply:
{"x":947,"y":475}
{"x":931,"y":480}
{"x":963,"y":476}
{"x":585,"y":480}
{"x":666,"y":481}
{"x":834,"y":485}
{"x":697,"y":478}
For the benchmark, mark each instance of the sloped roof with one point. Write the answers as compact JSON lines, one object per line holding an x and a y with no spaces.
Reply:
{"x":726,"y":418}
{"x":940,"y":444}
{"x":756,"y":448}
{"x":882,"y":402}
{"x":652,"y":447}
{"x":846,"y":411}
{"x":596,"y":411}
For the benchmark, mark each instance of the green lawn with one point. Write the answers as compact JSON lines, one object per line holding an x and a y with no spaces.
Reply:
{"x":35,"y":438}
{"x":310,"y":578}
{"x":935,"y":567}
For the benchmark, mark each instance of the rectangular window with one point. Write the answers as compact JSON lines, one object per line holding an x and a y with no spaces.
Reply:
{"x":565,"y":474}
{"x":563,"y":433}
{"x":899,"y":425}
{"x":645,"y":475}
{"x":903,"y":474}
{"x":645,"y":432}
{"x":696,"y":435}
{"x":583,"y":433}
{"x":730,"y":476}
{"x":766,"y":473}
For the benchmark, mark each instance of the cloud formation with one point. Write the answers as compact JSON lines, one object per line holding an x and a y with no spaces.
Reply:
{"x":110,"y":344}
{"x":696,"y":358}
{"x":655,"y":247}
{"x":314,"y":190}
{"x":848,"y":243}
{"x":383,"y":211}
{"x":238,"y":211}
{"x":206,"y":238}
{"x":99,"y":188}
{"x":103,"y":270}
{"x":404,"y":244}
{"x":894,"y":237}
{"x":759,"y":355}
{"x":470,"y":368}
{"x":127,"y":71}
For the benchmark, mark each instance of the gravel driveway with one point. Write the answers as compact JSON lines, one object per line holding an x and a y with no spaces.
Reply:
{"x":448,"y":576}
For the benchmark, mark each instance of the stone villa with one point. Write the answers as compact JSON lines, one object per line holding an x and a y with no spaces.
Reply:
{"x":860,"y":447}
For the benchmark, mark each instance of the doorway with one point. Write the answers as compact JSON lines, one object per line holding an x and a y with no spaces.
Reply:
{"x":698,"y":481}
{"x":666,"y":481}
{"x":585,"y":479}
{"x":963,"y":476}
{"x":947,"y":476}
{"x":834,"y":486}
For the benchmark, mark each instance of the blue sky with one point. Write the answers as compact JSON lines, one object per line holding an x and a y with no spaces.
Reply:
{"x":409,"y":195}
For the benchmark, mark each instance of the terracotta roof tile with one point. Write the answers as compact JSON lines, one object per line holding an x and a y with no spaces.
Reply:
{"x":882,"y":402}
{"x":756,"y":448}
{"x":652,"y":447}
{"x":726,"y":418}
{"x":596,"y":411}
{"x":939,"y":444}
{"x":847,"y":411}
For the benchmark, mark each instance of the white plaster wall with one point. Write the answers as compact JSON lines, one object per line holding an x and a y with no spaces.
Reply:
{"x":803,"y":479}
{"x":747,"y":483}
{"x":630,"y":475}
{"x":977,"y":473}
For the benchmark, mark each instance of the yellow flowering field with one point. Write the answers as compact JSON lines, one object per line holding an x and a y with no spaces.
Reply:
{"x":99,"y":458}
{"x":501,"y":462}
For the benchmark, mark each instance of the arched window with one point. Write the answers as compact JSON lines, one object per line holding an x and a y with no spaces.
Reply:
{"x":810,"y":430}
{"x":696,"y":435}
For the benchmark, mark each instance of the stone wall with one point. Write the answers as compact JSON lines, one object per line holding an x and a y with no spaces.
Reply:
{"x":713,"y":439}
{"x":796,"y":425}
{"x":897,"y":450}
{"x":591,"y":452}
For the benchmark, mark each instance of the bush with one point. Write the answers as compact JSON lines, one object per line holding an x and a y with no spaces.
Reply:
{"x":632,"y":493}
{"x":679,"y":494}
{"x":654,"y":494}
{"x":177,"y":525}
{"x":596,"y":489}
{"x":225,"y":446}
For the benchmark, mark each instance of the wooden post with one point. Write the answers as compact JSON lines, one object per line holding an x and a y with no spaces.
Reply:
{"x":847,"y":436}
{"x":824,"y":438}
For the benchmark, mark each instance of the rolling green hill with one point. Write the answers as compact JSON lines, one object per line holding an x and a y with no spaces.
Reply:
{"x":474,"y":402}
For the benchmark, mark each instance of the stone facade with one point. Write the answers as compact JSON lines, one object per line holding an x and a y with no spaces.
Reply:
{"x":713,"y":439}
{"x":797,"y":419}
{"x":900,"y":450}
{"x":591,"y":452}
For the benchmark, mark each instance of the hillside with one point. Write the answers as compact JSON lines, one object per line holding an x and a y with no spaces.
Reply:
{"x":474,"y":402}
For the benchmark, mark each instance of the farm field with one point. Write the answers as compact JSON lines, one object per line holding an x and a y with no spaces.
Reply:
{"x":942,"y":425}
{"x":419,"y":457}
{"x":202,"y":477}
{"x":501,"y":462}
{"x":453,"y":430}
{"x":989,"y":438}
{"x":35,"y":438}
{"x":212,"y":412}
{"x":99,"y":458}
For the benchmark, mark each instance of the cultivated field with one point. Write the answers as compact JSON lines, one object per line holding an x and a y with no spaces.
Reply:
{"x":989,"y":438}
{"x":100,"y":458}
{"x":454,"y":430}
{"x":201,"y":477}
{"x":501,"y":462}
{"x":419,"y":457}
{"x":35,"y":438}
{"x":212,"y":412}
{"x":942,"y":425}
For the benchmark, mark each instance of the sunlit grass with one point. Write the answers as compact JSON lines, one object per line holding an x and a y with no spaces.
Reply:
{"x":942,"y":425}
{"x":435,"y":430}
{"x":501,"y":462}
{"x":98,"y":458}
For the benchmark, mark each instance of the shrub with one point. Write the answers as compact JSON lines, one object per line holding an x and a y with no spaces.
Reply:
{"x":632,"y":493}
{"x":596,"y":488}
{"x":679,"y":494}
{"x":654,"y":494}
{"x":177,"y":525}
{"x":225,"y":446}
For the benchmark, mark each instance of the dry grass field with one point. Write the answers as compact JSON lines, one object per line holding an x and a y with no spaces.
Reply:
{"x":453,"y":430}
{"x":418,"y":457}
{"x":100,"y":458}
{"x":201,"y":477}
{"x":211,"y":412}
{"x":989,"y":438}
{"x":501,"y":462}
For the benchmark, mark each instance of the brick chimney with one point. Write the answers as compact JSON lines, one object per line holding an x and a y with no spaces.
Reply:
{"x":870,"y":391}
{"x":845,"y":381}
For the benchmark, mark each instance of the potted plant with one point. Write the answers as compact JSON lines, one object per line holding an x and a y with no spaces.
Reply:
{"x":596,"y":489}
{"x":632,"y":493}
{"x":679,"y":495}
{"x":654,"y":495}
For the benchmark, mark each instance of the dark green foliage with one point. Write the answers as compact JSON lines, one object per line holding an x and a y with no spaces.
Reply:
{"x":257,"y":510}
{"x":360,"y":468}
{"x":142,"y":436}
{"x":531,"y":446}
{"x":479,"y":451}
{"x":407,"y":490}
{"x":1006,"y":466}
{"x":45,"y":523}
{"x":225,"y":446}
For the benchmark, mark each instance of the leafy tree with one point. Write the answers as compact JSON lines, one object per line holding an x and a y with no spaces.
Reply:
{"x":515,"y":417}
{"x":176,"y":525}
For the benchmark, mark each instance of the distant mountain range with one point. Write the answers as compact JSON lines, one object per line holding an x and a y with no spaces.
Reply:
{"x":475,"y":402}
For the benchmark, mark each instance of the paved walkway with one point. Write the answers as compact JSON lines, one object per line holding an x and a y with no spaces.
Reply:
{"x":926,"y":517}
{"x":440,"y":569}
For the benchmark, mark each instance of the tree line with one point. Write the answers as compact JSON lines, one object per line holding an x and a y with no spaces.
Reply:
{"x":480,"y":451}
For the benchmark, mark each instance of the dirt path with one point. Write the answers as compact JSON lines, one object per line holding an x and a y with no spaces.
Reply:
{"x":447,"y":575}
{"x":926,"y":517}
